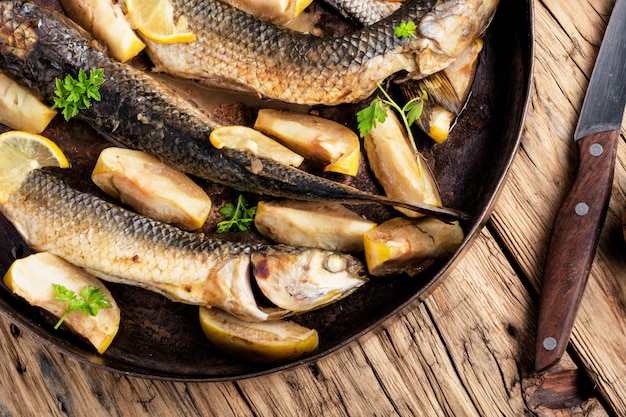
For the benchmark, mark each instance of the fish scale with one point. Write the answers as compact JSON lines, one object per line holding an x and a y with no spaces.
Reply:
{"x":365,"y":12}
{"x":325,"y":71}
{"x":248,"y":54}
{"x":118,"y":245}
{"x":38,"y":46}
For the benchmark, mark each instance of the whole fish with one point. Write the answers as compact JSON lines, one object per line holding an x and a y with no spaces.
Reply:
{"x":38,"y":46}
{"x":119,"y":245}
{"x":365,"y":12}
{"x":237,"y":50}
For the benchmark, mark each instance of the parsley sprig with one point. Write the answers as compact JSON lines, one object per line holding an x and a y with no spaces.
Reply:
{"x":377,"y":112}
{"x":75,"y":94}
{"x":90,"y":301}
{"x":240,"y":216}
{"x":405,"y":30}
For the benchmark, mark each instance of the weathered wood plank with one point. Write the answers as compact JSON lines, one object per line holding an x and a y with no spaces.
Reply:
{"x":462,"y":352}
{"x":413,"y":364}
{"x":566,"y":49}
{"x":487,"y":327}
{"x":402,"y":369}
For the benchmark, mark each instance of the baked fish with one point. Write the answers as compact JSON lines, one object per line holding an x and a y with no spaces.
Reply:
{"x":236,"y":50}
{"x":38,"y":46}
{"x":119,"y":245}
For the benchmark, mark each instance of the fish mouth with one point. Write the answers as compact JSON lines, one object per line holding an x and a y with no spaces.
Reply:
{"x":302,"y":280}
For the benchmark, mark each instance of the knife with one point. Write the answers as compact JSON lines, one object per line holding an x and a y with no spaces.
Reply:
{"x":580,"y":218}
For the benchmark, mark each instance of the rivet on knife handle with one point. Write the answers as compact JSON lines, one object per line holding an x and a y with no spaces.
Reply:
{"x":573,"y":245}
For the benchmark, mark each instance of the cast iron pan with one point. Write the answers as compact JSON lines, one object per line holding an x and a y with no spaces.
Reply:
{"x":162,"y":339}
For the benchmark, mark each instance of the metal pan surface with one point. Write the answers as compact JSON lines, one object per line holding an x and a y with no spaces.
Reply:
{"x":163,"y":340}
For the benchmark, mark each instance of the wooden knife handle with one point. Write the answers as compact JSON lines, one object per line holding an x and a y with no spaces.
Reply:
{"x":573,"y":244}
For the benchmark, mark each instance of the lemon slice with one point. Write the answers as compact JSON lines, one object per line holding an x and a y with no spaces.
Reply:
{"x":155,"y":20}
{"x":20,"y":153}
{"x":261,"y":342}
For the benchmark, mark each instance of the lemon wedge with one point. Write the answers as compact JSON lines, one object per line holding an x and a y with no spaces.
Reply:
{"x":20,"y":153}
{"x":155,"y":20}
{"x":261,"y":342}
{"x":251,"y":140}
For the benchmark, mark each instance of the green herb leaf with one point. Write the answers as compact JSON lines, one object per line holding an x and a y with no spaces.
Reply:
{"x":414,"y":108}
{"x":91,"y":300}
{"x":406,"y":29}
{"x":228,"y":210}
{"x":377,"y":111}
{"x":240,"y":216}
{"x":369,"y":116}
{"x":74,"y":95}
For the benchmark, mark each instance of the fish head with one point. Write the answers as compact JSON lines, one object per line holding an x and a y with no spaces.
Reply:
{"x":302,"y":279}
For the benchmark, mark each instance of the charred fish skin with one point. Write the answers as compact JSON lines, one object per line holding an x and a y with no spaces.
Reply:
{"x":122,"y":246}
{"x":38,"y":46}
{"x":237,"y":50}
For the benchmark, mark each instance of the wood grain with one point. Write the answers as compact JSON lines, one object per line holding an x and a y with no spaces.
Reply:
{"x":466,"y":350}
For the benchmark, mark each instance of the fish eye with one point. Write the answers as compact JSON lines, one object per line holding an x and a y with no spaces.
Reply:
{"x":335,"y":263}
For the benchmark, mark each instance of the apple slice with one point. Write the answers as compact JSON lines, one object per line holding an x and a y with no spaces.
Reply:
{"x":405,"y":245}
{"x":324,"y":225}
{"x":275,"y":11}
{"x":262,"y":342}
{"x":251,"y":140}
{"x":151,"y":187}
{"x":32,"y":278}
{"x":403,"y":175}
{"x":20,"y":109}
{"x":106,"y":21}
{"x":320,"y":140}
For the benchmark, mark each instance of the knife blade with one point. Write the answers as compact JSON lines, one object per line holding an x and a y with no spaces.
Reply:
{"x":580,"y":218}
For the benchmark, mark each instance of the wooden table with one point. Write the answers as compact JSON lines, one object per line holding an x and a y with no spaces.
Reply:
{"x":467,"y":350}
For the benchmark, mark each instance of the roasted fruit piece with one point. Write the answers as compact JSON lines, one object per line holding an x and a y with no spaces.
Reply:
{"x":32,"y":278}
{"x":251,"y":140}
{"x":20,"y":109}
{"x":404,"y":245}
{"x":264,"y":342}
{"x":275,"y":11}
{"x":320,"y":140}
{"x":403,"y":174}
{"x":107,"y":23}
{"x":325,"y":225}
{"x":151,"y":187}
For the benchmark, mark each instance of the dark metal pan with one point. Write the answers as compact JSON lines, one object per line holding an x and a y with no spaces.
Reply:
{"x":161,"y":339}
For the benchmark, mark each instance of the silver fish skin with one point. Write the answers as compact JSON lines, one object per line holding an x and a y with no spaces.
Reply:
{"x":365,"y":12}
{"x":237,"y":50}
{"x":38,"y":46}
{"x":123,"y":246}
